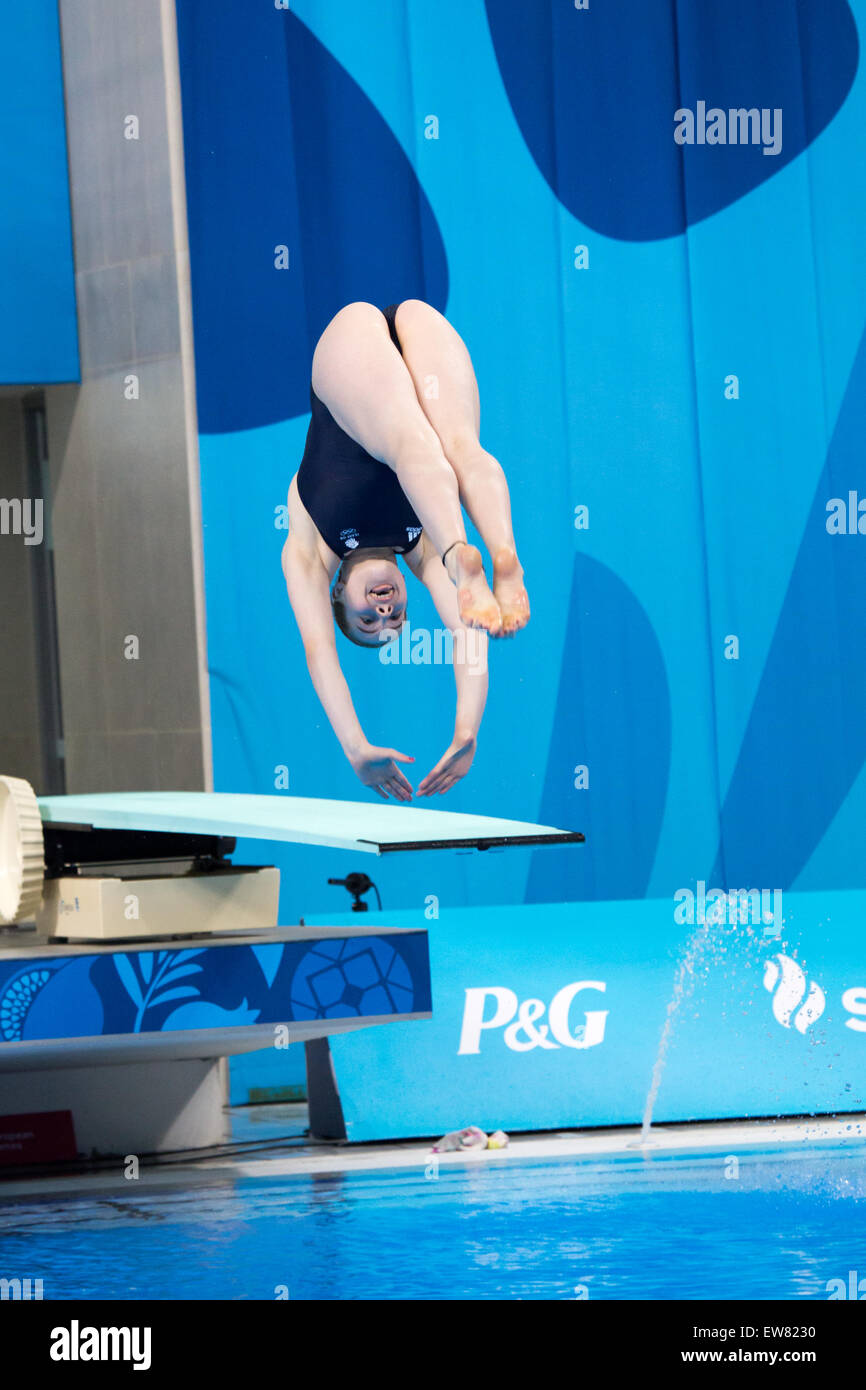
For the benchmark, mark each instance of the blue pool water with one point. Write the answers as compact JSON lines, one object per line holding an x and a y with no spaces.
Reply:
{"x":629,"y":1227}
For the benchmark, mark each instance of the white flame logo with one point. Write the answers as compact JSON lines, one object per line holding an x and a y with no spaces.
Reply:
{"x":790,"y":986}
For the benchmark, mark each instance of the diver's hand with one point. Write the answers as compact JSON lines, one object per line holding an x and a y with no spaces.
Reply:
{"x":454,"y":764}
{"x":377,"y":768}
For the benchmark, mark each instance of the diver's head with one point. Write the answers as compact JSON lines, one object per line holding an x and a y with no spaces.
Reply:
{"x":369,"y":597}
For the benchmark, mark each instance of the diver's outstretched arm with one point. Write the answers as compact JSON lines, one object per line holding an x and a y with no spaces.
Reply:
{"x":470,"y":673}
{"x":307,"y":582}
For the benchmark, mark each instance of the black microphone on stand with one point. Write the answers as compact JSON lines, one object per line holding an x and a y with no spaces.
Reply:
{"x":358,"y":884}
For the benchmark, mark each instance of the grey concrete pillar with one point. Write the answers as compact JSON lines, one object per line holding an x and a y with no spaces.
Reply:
{"x":122,"y":446}
{"x":20,"y":732}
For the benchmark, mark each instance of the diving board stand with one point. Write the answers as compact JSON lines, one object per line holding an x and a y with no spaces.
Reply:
{"x":129,"y":1038}
{"x":130,"y":941}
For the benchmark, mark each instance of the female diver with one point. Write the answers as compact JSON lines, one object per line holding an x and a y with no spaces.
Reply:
{"x":391,"y":454}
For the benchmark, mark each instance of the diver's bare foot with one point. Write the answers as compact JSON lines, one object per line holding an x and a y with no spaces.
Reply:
{"x":510,"y":594}
{"x":475,"y":602}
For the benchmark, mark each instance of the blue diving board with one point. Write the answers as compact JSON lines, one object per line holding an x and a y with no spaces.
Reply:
{"x":368,"y":827}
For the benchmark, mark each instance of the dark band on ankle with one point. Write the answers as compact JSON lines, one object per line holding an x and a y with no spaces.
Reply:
{"x":450,"y":548}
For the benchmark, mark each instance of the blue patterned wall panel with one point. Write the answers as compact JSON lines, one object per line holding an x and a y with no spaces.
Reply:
{"x":595,"y":92}
{"x":601,"y":386}
{"x":283,"y":148}
{"x":203,"y":987}
{"x":38,"y":321}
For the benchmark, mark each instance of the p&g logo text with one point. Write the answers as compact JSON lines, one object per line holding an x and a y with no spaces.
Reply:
{"x":522,"y":1022}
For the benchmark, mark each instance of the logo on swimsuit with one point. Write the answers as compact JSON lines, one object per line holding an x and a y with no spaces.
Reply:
{"x":527,"y":1033}
{"x":349,"y":537}
{"x":413,"y":532}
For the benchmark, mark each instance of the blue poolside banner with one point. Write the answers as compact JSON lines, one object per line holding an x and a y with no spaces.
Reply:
{"x":551,"y":1016}
{"x":138,"y":990}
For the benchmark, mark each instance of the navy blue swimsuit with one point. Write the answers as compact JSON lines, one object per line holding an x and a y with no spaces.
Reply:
{"x":354,"y":500}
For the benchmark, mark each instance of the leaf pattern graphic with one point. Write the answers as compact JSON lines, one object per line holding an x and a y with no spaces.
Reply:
{"x":126,"y":971}
{"x":170,"y":967}
{"x":169,"y":976}
{"x":182,"y":992}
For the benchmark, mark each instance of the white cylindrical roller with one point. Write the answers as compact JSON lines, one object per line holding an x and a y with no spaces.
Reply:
{"x":22,"y":853}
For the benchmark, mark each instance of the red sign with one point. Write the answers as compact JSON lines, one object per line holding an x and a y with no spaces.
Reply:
{"x":39,"y":1138}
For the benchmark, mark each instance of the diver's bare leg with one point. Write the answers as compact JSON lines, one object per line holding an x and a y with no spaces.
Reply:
{"x":445,"y":384}
{"x":362,"y":379}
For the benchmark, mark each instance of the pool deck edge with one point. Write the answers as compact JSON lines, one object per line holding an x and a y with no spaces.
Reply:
{"x":310,"y":1159}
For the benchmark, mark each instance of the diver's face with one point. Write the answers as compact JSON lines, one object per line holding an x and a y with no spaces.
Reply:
{"x":374,"y":601}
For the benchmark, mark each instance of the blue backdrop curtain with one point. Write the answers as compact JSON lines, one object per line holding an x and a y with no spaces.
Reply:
{"x":668,"y":343}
